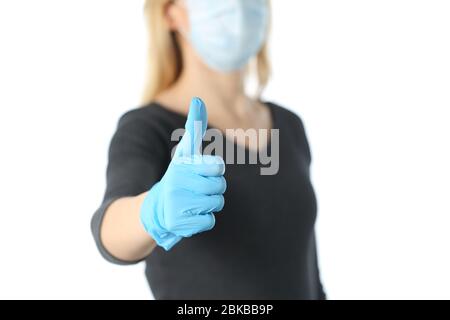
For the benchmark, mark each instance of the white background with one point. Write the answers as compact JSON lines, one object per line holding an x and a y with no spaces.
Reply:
{"x":371,"y":80}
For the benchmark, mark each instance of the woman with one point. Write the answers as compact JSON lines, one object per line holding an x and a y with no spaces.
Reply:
{"x":171,"y":212}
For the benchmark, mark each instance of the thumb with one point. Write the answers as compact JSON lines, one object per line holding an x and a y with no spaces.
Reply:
{"x":196,"y":124}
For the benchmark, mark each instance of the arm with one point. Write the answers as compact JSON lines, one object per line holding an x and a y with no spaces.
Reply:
{"x":131,"y":222}
{"x":136,"y":161}
{"x":122,"y":233}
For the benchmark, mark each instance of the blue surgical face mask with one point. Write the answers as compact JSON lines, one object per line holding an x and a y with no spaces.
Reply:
{"x":226,"y":34}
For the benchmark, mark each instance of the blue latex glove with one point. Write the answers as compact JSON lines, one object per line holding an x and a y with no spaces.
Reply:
{"x":183,"y":203}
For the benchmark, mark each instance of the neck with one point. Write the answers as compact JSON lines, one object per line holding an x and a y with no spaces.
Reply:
{"x":222,"y":92}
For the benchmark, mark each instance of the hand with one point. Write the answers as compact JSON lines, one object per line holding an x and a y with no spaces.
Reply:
{"x":183,"y":203}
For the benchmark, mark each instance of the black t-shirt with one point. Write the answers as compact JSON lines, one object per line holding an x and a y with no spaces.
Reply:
{"x":263,"y":243}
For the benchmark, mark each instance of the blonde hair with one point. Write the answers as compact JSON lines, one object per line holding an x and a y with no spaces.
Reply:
{"x":164,"y":54}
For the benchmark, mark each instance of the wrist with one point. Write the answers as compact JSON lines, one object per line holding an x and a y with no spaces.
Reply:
{"x":152,"y":209}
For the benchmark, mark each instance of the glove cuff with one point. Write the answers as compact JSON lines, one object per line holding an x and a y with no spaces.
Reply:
{"x":151,"y":208}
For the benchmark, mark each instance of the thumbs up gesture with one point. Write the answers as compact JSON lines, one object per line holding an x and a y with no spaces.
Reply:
{"x":183,"y":203}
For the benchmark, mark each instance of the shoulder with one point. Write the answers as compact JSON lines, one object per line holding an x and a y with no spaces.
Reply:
{"x":146,"y":125}
{"x":285,"y":118}
{"x":291,"y":127}
{"x":150,"y":118}
{"x":148,"y":115}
